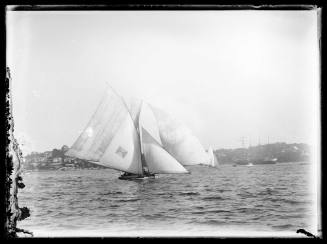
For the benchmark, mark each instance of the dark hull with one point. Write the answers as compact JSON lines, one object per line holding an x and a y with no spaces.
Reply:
{"x":255,"y":162}
{"x":137,"y":177}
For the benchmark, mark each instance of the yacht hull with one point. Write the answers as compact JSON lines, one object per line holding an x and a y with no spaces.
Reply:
{"x":137,"y":177}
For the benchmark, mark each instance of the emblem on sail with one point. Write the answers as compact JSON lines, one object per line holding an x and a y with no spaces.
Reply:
{"x":121,"y":152}
{"x":112,"y":127}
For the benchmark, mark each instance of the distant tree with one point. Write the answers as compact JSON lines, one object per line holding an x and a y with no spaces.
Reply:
{"x":56,"y":153}
{"x":64,"y":148}
{"x":282,"y":151}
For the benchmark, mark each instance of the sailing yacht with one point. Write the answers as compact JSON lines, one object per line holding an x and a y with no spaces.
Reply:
{"x":213,"y":161}
{"x":137,"y":139}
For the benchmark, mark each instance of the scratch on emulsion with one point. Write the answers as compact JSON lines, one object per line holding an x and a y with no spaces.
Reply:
{"x":303,"y":231}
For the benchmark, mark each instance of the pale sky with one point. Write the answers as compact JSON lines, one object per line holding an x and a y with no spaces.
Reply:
{"x":225,"y":74}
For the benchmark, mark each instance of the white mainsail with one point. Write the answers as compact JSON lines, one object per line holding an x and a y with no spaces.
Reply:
{"x":110,"y":138}
{"x":157,"y":159}
{"x":213,"y":161}
{"x":177,"y":139}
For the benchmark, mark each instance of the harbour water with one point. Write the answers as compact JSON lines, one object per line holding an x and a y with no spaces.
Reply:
{"x":262,"y":200}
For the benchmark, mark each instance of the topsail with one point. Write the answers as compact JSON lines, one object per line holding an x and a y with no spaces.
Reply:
{"x":158,"y":160}
{"x":178,"y":140}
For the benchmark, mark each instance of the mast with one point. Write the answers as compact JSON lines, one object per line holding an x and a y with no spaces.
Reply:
{"x":245,"y":154}
{"x":259,"y":141}
{"x":139,"y":129}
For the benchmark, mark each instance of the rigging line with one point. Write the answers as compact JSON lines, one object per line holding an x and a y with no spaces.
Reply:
{"x":141,"y":135}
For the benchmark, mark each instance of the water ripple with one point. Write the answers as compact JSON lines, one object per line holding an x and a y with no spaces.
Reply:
{"x":246,"y":197}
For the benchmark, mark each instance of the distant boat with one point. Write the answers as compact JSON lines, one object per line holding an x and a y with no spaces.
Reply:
{"x":242,"y":162}
{"x":245,"y":160}
{"x":137,"y":139}
{"x":266,"y":161}
{"x":213,"y":161}
{"x":256,"y":162}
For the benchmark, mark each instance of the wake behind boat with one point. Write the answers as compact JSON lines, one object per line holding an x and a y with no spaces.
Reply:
{"x":137,"y":139}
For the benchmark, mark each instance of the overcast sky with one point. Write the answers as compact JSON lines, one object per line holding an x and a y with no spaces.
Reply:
{"x":225,"y":74}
